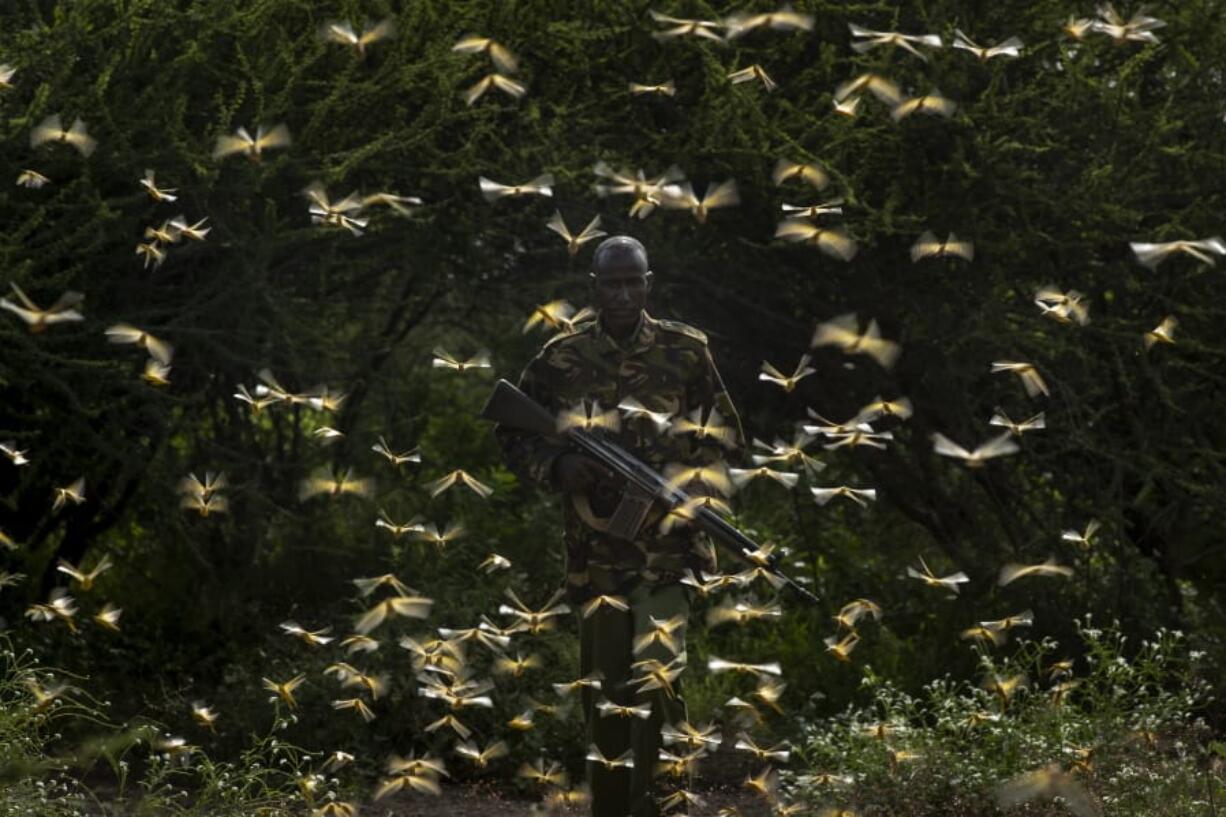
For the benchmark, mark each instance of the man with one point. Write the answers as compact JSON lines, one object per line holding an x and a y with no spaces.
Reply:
{"x":666,"y":367}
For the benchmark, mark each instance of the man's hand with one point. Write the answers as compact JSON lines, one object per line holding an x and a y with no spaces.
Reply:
{"x":575,"y":473}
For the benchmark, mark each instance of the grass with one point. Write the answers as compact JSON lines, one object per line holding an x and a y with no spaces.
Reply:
{"x":1126,"y":721}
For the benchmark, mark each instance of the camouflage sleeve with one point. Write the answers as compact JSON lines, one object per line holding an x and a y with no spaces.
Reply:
{"x":707,"y":389}
{"x":530,"y":456}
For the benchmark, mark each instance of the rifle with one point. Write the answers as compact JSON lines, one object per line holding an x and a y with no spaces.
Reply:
{"x":642,"y":489}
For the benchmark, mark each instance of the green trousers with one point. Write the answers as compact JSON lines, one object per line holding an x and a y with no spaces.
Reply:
{"x":606,"y":645}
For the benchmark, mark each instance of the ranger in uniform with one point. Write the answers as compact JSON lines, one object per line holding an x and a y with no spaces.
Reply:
{"x":626,"y":354}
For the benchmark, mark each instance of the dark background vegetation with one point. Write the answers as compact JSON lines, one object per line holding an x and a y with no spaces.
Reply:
{"x":1052,"y":164}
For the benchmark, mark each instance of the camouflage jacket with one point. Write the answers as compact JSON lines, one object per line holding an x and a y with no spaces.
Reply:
{"x":667,"y":367}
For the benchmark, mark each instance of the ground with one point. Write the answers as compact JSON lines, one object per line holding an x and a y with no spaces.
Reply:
{"x":480,"y":801}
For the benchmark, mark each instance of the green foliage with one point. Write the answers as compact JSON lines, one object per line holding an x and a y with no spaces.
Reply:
{"x":1052,"y":164}
{"x":1132,"y":727}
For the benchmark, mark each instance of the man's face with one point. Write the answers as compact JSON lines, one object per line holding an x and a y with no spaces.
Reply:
{"x":620,"y":294}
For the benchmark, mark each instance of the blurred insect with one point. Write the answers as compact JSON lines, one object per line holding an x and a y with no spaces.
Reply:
{"x":503,"y":83}
{"x":854,"y":610}
{"x":929,"y":578}
{"x":444,"y":360}
{"x":6,"y":76}
{"x":427,"y":784}
{"x":431,"y":533}
{"x":459,"y":477}
{"x":284,"y":690}
{"x":868,"y":40}
{"x":813,"y":211}
{"x":126,"y":333}
{"x":588,"y":416}
{"x":52,"y":129}
{"x":741,"y":612}
{"x":149,"y":182}
{"x":788,"y":454}
{"x":1005,"y":688}
{"x":396,"y":458}
{"x":1064,"y":307}
{"x":738,"y":25}
{"x":1008,"y":48}
{"x":717,"y":665}
{"x":751,"y":73}
{"x":1000,"y":446}
{"x":647,"y":192}
{"x":779,"y":752}
{"x":515,"y":667}
{"x":252,"y":147}
{"x":545,"y":775}
{"x":343,"y":33}
{"x":840,"y":648}
{"x":1012,"y":571}
{"x":623,"y":761}
{"x":59,"y":605}
{"x":574,"y":242}
{"x":1084,"y":538}
{"x":856,"y":495}
{"x":608,"y":709}
{"x":1032,"y":381}
{"x":499,"y":54}
{"x":847,"y":107}
{"x":153,"y":253}
{"x":542,"y":185}
{"x":930,"y":103}
{"x":1162,"y":333}
{"x":312,"y":638}
{"x":787,"y":382}
{"x":743,"y":476}
{"x":668,"y":88}
{"x":830,"y":240}
{"x":1077,"y":27}
{"x":16,"y":457}
{"x":193,"y":231}
{"x":899,"y":408}
{"x":682,"y":197}
{"x":685,"y":27}
{"x":984,"y":635}
{"x":708,"y":427}
{"x":785,"y":170}
{"x":1018,"y":428}
{"x":156,"y":373}
{"x":204,"y":716}
{"x":404,"y":606}
{"x":1151,"y":255}
{"x":400,"y":204}
{"x":687,"y":511}
{"x":494,"y":562}
{"x":334,"y":483}
{"x":1004,"y":625}
{"x":366,"y":586}
{"x":591,"y":681}
{"x":32,"y":179}
{"x":699,"y":478}
{"x":535,"y":621}
{"x":844,"y":333}
{"x":882,"y":88}
{"x":558,"y":315}
{"x":928,"y":246}
{"x":334,"y":214}
{"x":202,"y":496}
{"x":74,"y":493}
{"x":84,"y":580}
{"x":1138,"y":28}
{"x":38,"y":319}
{"x":598,"y":602}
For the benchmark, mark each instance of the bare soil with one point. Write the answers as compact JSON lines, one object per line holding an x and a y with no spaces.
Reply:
{"x":487,"y":801}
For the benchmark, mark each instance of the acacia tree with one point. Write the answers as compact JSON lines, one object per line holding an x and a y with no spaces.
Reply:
{"x":1051,"y":164}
